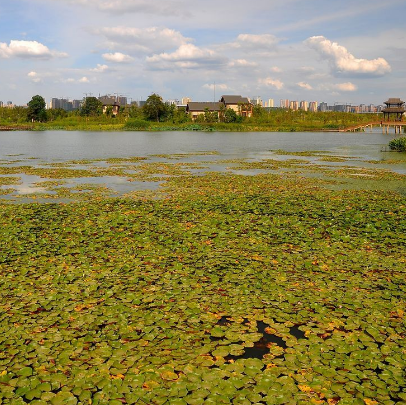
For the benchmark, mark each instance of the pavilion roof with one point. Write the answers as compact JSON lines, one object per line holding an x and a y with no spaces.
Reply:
{"x":395,"y":101}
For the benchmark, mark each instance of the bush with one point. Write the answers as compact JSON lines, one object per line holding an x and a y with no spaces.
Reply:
{"x":398,"y":144}
{"x":137,"y":125}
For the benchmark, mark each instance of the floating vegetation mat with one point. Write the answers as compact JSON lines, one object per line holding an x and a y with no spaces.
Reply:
{"x":214,"y":289}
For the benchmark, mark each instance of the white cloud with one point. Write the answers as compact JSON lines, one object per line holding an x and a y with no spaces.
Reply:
{"x":187,"y":56}
{"x":272,"y":83}
{"x":345,"y":87}
{"x":34,"y":77}
{"x":27,"y":49}
{"x":84,"y":80}
{"x":304,"y":85}
{"x":117,"y":57}
{"x":340,"y":87}
{"x":276,"y":69}
{"x":157,"y":7}
{"x":242,"y":63}
{"x":343,"y":62}
{"x":146,"y":41}
{"x":219,"y":86}
{"x":100,"y":68}
{"x":256,"y":42}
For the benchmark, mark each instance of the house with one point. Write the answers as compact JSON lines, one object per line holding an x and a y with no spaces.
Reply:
{"x":195,"y":108}
{"x":110,"y":102}
{"x":241,"y":105}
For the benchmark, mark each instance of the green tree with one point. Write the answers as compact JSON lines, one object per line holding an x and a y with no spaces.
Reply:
{"x":91,"y":107}
{"x":134,"y":111}
{"x":154,"y":108}
{"x":210,"y":116}
{"x":36,"y":109}
{"x":230,"y":115}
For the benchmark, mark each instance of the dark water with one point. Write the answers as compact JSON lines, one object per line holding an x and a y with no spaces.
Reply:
{"x":66,"y":145}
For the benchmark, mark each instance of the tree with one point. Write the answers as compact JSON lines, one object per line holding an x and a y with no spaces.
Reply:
{"x":154,"y":108}
{"x":230,"y":115}
{"x":91,"y":107}
{"x":36,"y":109}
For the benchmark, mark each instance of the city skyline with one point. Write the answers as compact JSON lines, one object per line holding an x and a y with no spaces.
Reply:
{"x":337,"y":53}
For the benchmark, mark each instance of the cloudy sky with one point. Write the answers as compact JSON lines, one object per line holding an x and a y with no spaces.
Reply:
{"x":341,"y":51}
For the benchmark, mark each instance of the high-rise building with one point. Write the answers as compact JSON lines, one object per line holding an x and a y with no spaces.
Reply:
{"x":122,"y":100}
{"x":323,"y":107}
{"x":313,"y":106}
{"x":284,"y":103}
{"x":76,"y":104}
{"x":185,"y":100}
{"x":256,"y":101}
{"x":304,"y":105}
{"x":1,"y":104}
{"x":270,"y":102}
{"x":64,"y":104}
{"x":294,"y":105}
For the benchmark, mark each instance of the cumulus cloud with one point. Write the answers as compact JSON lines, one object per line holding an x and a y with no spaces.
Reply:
{"x":345,"y":87}
{"x":242,"y":63}
{"x":343,"y":62}
{"x":135,"y":6}
{"x":84,"y":80}
{"x":340,"y":87}
{"x":305,"y":86}
{"x":146,"y":41}
{"x":100,"y":68}
{"x":187,"y":56}
{"x":219,"y":86}
{"x":277,"y":84}
{"x":276,"y":69}
{"x":34,"y":77}
{"x":256,"y":43}
{"x":117,"y":57}
{"x":27,"y":49}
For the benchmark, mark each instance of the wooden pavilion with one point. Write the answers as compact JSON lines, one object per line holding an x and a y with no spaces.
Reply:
{"x":395,"y":108}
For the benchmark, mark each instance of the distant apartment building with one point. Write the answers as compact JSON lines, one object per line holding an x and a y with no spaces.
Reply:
{"x":64,"y":104}
{"x":313,"y":106}
{"x":76,"y":104}
{"x":284,"y":103}
{"x":271,"y":103}
{"x":256,"y":101}
{"x":122,"y":100}
{"x":323,"y":107}
{"x":294,"y":105}
{"x":1,"y":104}
{"x":186,"y":100}
{"x":304,"y":105}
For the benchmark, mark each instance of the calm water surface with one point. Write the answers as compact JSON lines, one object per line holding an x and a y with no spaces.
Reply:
{"x":67,"y":145}
{"x":38,"y":148}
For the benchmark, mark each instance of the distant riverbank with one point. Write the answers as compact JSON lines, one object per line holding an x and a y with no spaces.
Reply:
{"x":275,"y":121}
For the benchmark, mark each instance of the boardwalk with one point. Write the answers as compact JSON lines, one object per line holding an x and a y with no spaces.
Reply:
{"x":397,"y":125}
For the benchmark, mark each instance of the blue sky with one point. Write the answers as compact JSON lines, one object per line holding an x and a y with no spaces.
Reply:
{"x":333,"y":51}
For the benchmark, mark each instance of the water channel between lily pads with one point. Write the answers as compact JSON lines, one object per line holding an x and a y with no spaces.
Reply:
{"x":118,"y":163}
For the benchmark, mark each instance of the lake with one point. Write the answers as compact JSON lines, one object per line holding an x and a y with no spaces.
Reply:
{"x":64,"y":145}
{"x":63,"y":166}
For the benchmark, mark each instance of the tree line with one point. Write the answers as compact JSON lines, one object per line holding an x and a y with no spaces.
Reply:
{"x":156,"y":110}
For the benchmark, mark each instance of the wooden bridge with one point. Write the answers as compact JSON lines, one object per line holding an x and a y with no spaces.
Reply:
{"x":386,"y":125}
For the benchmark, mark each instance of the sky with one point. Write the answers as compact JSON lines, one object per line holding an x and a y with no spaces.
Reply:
{"x":336,"y":51}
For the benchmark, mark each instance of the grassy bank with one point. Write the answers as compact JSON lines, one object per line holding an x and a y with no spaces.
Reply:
{"x":279,"y":120}
{"x":267,"y":289}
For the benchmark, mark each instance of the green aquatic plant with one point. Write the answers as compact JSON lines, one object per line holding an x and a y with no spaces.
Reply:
{"x":398,"y":144}
{"x":218,"y":288}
